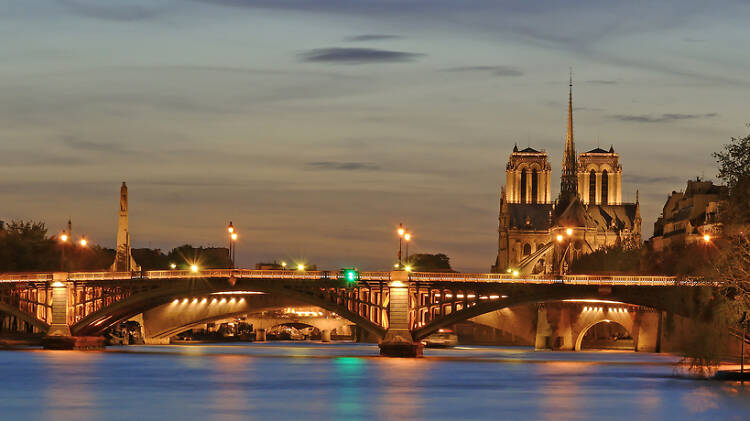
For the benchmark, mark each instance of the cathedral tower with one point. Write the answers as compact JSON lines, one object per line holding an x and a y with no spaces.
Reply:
{"x":527,"y":177}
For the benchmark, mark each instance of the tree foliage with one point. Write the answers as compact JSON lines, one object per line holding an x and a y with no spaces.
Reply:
{"x":430,"y":262}
{"x":734,"y":169}
{"x":610,"y":260}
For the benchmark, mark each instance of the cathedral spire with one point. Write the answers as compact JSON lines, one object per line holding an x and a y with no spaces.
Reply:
{"x":569,"y":182}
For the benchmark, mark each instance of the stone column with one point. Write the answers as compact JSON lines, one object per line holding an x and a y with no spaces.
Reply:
{"x":59,"y":325}
{"x":398,"y":341}
{"x":59,"y":335}
{"x":543,"y":329}
{"x":510,"y":190}
{"x":325,"y":335}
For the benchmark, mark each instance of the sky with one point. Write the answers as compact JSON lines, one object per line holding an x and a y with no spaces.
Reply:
{"x":317,"y":127}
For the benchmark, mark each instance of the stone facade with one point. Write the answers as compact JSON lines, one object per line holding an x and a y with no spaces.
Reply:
{"x":688,"y":216}
{"x":536,"y":234}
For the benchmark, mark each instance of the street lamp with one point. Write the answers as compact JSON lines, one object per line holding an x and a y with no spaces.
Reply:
{"x":283,"y":265}
{"x":400,"y":231}
{"x":63,"y":240}
{"x":300,"y":267}
{"x":232,"y":240}
{"x":233,"y":237}
{"x":173,"y":266}
{"x":83,"y":242}
{"x":194,"y":268}
{"x":706,"y":238}
{"x":407,"y":237}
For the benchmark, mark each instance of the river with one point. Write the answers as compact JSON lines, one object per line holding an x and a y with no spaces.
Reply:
{"x":344,"y":381}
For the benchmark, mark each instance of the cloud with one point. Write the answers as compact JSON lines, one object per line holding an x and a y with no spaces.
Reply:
{"x":656,"y":179}
{"x":495,"y":70}
{"x":664,"y":118}
{"x":372,"y":37}
{"x":357,"y":56}
{"x":688,"y":39}
{"x":343,"y":166}
{"x":133,"y":11}
{"x":601,"y":82}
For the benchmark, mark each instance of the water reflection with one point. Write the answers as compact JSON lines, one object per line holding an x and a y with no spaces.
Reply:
{"x":403,"y":385}
{"x":309,"y":382}
{"x":66,"y":382}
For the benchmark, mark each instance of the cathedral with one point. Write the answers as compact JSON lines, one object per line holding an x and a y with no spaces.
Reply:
{"x":539,"y":235}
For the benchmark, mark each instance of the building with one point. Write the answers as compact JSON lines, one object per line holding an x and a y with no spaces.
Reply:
{"x":538,"y":235}
{"x":690,"y":215}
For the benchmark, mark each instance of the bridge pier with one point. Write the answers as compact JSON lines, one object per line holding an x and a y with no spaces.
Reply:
{"x":58,"y":335}
{"x":398,"y":341}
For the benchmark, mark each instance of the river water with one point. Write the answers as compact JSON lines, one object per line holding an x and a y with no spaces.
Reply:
{"x":309,"y":381}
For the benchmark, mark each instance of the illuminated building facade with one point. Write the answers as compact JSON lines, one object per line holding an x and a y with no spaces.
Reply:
{"x":589,"y":213}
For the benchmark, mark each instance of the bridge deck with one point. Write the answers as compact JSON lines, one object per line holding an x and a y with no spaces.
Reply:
{"x":426,"y":277}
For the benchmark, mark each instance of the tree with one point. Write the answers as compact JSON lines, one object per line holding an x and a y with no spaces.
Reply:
{"x":734,"y":169}
{"x":24,"y":246}
{"x":430,"y":263}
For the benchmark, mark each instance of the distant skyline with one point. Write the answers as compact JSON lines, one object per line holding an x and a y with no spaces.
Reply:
{"x":318,"y":127}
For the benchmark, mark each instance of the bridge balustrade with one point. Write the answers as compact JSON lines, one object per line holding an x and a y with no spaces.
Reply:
{"x":25,"y":277}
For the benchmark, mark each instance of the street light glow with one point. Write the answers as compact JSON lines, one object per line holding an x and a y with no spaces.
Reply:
{"x":569,"y":231}
{"x":706,"y":237}
{"x":401,"y":231}
{"x":300,"y":267}
{"x":83,"y":242}
{"x":194,"y":268}
{"x":407,"y":236}
{"x":64,"y":238}
{"x":230,"y":228}
{"x":407,"y":268}
{"x":173,"y":266}
{"x":234,"y":236}
{"x":559,"y":238}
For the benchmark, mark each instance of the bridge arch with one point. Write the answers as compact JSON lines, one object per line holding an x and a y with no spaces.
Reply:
{"x":660,"y":298}
{"x":26,"y":317}
{"x":98,"y":322}
{"x":584,"y":330}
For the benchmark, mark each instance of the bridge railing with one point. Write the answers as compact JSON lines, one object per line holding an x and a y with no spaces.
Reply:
{"x":25,"y":277}
{"x":373,"y":276}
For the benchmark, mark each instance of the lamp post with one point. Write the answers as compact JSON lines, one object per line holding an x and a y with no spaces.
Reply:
{"x":407,"y":238}
{"x":233,"y":242}
{"x":232,"y":238}
{"x":400,"y":231}
{"x":560,"y":238}
{"x":63,"y":237}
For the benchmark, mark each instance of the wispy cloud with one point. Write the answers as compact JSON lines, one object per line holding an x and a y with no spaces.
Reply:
{"x":357,"y":56}
{"x":664,"y":118}
{"x":343,"y":166}
{"x":601,"y":82}
{"x":133,"y":11}
{"x":495,"y":70}
{"x":653,"y":179}
{"x":372,"y":37}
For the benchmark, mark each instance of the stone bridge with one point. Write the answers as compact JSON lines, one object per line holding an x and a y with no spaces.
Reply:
{"x":397,"y":308}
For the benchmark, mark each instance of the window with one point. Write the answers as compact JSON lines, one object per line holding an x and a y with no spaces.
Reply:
{"x":534,"y":185}
{"x":592,"y":187}
{"x":605,"y":187}
{"x":526,"y":249}
{"x":523,"y":186}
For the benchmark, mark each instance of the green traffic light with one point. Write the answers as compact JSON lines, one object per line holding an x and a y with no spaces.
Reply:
{"x":351,"y":275}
